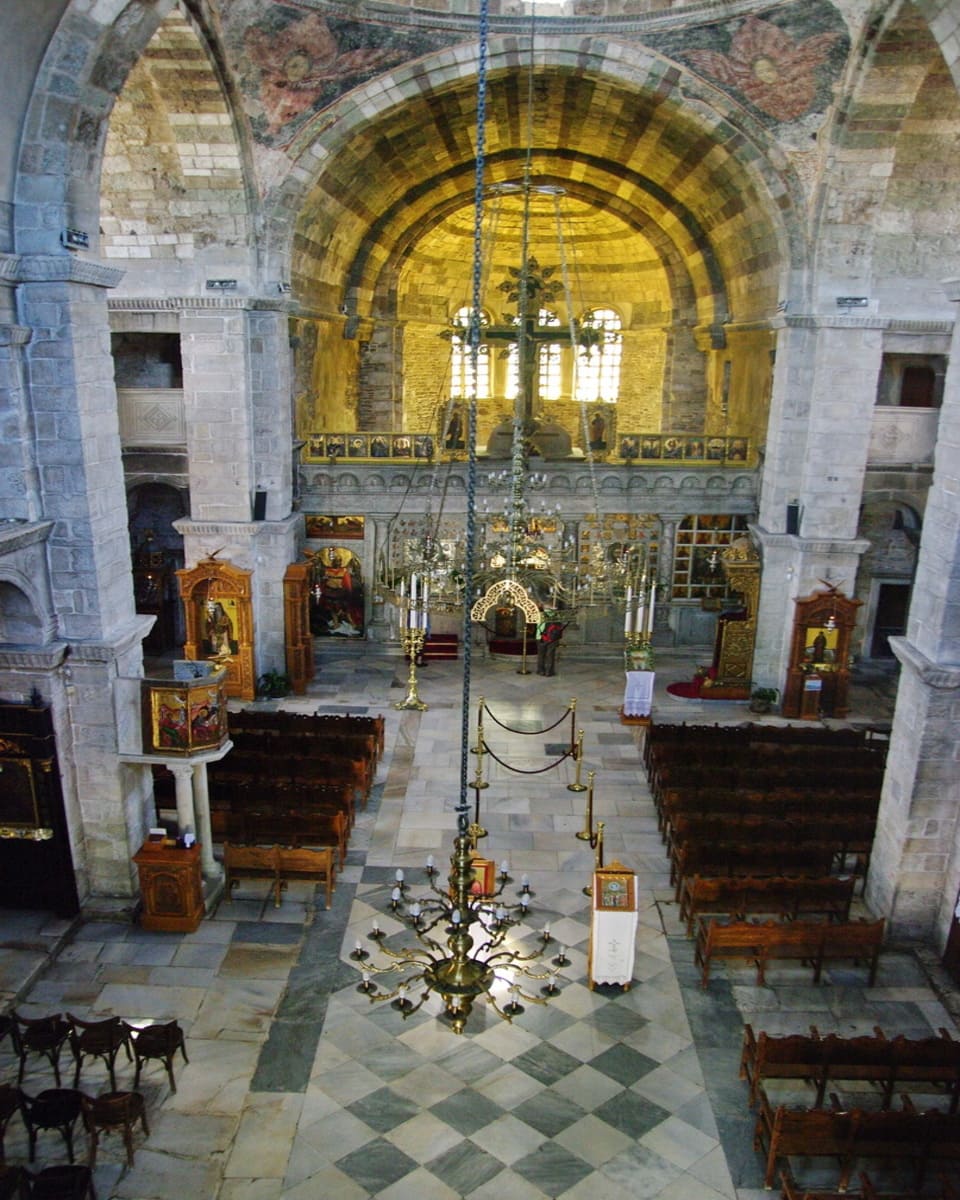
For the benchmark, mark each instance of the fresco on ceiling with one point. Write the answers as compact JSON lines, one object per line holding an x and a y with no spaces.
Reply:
{"x":293,"y":62}
{"x":782,"y":65}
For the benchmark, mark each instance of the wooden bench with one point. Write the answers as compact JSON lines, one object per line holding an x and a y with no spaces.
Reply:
{"x":893,"y":1064}
{"x":804,"y":940}
{"x":784,"y":803}
{"x":750,"y":858}
{"x":851,"y":1134}
{"x":298,"y":828}
{"x":313,"y":863}
{"x":789,"y":896}
{"x":279,"y":864}
{"x":251,"y":862}
{"x":791,"y":1191}
{"x":847,"y":835}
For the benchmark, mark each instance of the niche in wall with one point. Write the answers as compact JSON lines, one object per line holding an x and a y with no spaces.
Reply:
{"x":146,"y":360}
{"x":911,"y":380}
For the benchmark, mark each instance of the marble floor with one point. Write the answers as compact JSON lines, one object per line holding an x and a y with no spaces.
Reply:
{"x":299,"y":1087}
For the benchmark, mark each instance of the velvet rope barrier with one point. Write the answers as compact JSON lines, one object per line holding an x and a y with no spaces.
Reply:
{"x":519,"y":770}
{"x":571,"y":708}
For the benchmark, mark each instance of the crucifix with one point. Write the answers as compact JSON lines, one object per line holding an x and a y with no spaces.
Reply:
{"x":531,"y":288}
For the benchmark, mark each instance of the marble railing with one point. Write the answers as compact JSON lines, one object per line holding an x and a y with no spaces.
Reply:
{"x":151,"y":416}
{"x":902,"y":435}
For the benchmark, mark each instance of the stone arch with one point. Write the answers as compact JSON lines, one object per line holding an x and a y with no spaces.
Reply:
{"x":93,"y":53}
{"x":888,"y":233}
{"x":177,"y":185}
{"x":765,"y":183}
{"x":23,"y":621}
{"x":97,"y":52}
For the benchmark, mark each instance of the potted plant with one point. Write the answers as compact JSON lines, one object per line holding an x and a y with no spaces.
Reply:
{"x":273,"y":684}
{"x":762,"y":699}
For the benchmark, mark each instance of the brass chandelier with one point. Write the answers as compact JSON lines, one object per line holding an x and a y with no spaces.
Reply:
{"x":463,"y":950}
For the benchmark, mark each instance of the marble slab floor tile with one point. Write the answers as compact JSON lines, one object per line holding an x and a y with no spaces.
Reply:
{"x":298,"y":1087}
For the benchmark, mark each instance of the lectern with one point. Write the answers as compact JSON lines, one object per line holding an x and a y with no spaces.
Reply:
{"x":613,"y":928}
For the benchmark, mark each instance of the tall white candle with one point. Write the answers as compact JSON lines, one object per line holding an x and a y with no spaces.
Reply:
{"x":638,"y":625}
{"x":403,"y":588}
{"x":629,"y":612}
{"x":653,"y":597}
{"x":413,"y":587}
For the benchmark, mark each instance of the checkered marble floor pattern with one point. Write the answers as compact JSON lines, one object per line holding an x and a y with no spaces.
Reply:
{"x":299,"y":1087}
{"x":595,"y":1093}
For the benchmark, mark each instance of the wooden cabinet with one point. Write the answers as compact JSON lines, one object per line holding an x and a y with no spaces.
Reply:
{"x":171,"y":886}
{"x":218,"y":604}
{"x":818,"y":679}
{"x":296,"y":612}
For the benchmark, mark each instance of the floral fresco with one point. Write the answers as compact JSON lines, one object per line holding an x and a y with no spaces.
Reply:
{"x":773,"y":71}
{"x":294,"y":61}
{"x":783,"y":66}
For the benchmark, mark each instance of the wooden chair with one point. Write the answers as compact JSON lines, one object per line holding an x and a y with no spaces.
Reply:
{"x":63,"y":1183}
{"x":14,"y":1184}
{"x":45,"y":1036}
{"x":9,"y":1103}
{"x":55,"y":1108}
{"x":157,"y":1041}
{"x":98,"y":1039}
{"x":113,"y":1111}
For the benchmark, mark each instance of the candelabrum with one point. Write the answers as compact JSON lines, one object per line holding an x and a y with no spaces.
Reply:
{"x":639,"y":611}
{"x":414,"y":622}
{"x":463,"y":968}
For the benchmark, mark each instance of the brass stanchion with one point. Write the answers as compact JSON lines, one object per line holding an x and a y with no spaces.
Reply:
{"x":597,"y":844}
{"x":523,"y":669}
{"x":480,"y":782}
{"x":478,"y":748}
{"x":577,"y":786}
{"x":586,"y":834}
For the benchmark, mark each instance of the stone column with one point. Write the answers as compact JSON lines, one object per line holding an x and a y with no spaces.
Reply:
{"x":183,"y":783}
{"x":201,"y":804}
{"x":915,"y":866}
{"x":662,"y":635}
{"x":236,"y":388}
{"x":271,"y":407}
{"x":19,"y":485}
{"x":379,"y":390}
{"x":75,"y":472}
{"x":218,"y":410}
{"x":824,"y":392}
{"x":378,"y":629}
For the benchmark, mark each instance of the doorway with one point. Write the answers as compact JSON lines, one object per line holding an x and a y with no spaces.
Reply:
{"x":890,"y":619}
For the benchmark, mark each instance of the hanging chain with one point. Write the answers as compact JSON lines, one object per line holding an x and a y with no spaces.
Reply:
{"x":572,"y":334}
{"x":463,"y":807}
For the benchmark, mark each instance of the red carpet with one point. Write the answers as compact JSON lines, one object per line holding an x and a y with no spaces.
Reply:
{"x":687,"y":690}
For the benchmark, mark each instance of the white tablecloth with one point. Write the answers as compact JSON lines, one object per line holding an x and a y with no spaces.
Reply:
{"x":613,"y":936}
{"x":638,"y":697}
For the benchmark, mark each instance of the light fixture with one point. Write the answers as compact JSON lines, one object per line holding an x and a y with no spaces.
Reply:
{"x":474,"y":959}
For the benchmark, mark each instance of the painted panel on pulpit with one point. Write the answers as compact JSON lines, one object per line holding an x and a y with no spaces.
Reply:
{"x":336,"y":606}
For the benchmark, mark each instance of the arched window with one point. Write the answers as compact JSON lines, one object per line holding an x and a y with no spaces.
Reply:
{"x":462,"y":382}
{"x":598,"y":363}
